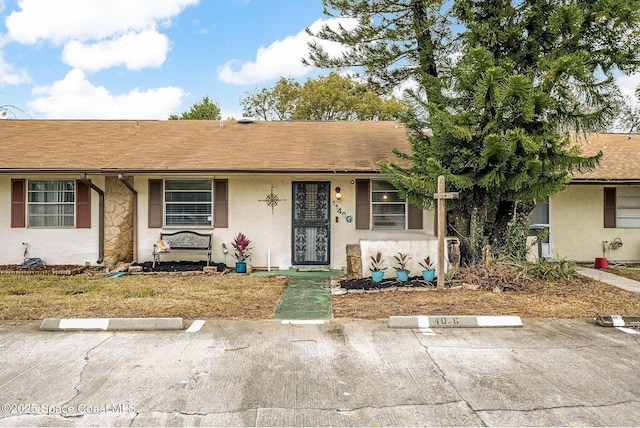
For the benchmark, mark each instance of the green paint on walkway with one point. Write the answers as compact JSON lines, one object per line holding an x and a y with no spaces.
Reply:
{"x":333,"y":273}
{"x":306,"y":297}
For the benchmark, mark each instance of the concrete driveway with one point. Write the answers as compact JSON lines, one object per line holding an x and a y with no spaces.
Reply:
{"x":340,"y":373}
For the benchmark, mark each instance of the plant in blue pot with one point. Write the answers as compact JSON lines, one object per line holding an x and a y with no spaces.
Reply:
{"x":428,"y":269}
{"x":241,"y":246}
{"x":376,"y":268}
{"x":402,"y":273}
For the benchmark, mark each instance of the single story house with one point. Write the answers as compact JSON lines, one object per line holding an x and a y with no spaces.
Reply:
{"x":101,"y":192}
{"x":599,"y":214}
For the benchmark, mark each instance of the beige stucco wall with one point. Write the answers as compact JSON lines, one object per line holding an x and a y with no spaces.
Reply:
{"x":270,"y":231}
{"x":53,"y":246}
{"x":577,"y":227}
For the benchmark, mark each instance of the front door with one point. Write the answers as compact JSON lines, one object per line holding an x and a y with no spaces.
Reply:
{"x":310,"y":228}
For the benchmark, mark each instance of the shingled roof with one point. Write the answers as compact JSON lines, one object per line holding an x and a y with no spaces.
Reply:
{"x":620,"y":160}
{"x":131,"y":146}
{"x":197,"y":146}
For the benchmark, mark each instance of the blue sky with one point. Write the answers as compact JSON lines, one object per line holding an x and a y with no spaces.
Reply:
{"x":146,"y":59}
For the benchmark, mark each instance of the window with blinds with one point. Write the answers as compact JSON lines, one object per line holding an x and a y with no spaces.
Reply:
{"x":51,"y":203}
{"x":628,"y":207}
{"x":388,"y":208}
{"x":188,"y":202}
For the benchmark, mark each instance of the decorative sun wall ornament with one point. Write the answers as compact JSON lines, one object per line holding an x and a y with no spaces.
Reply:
{"x":271,"y":200}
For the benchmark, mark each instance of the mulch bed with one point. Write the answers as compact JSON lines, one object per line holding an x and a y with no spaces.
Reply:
{"x":64,"y":270}
{"x":369,"y":284}
{"x":179,"y":266}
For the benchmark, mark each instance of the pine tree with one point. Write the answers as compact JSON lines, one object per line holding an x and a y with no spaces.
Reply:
{"x":495,"y":118}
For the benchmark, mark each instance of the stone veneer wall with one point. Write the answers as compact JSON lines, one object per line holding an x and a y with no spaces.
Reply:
{"x":354,"y":261}
{"x":118,"y":222}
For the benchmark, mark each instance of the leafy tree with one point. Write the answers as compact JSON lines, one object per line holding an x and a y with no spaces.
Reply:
{"x":277,"y":103}
{"x":628,"y":119}
{"x":331,"y":97}
{"x":497,"y":114}
{"x":204,"y":110}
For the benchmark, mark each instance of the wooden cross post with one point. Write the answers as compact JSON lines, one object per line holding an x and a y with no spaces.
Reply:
{"x":441,"y":196}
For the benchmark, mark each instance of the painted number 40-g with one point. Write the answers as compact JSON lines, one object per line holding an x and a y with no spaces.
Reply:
{"x":445,"y":321}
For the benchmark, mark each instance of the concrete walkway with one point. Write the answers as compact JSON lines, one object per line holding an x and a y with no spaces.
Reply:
{"x":609,"y":278}
{"x":305,"y":298}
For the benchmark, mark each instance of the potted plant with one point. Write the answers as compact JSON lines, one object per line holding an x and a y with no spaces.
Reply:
{"x":241,"y":246}
{"x":429,"y":271}
{"x":377,"y":270}
{"x":402,"y":273}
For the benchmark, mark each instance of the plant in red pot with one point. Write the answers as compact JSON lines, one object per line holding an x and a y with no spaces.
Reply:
{"x":241,"y":246}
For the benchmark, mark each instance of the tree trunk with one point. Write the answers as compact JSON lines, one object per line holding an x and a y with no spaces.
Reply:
{"x":504,"y":214}
{"x":461,"y":222}
{"x":477,"y":223}
{"x":511,"y":226}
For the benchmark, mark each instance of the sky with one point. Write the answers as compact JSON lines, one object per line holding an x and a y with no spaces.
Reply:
{"x":147,"y":59}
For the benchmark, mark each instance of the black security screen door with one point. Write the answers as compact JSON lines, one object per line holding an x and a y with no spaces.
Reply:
{"x":310,"y":235}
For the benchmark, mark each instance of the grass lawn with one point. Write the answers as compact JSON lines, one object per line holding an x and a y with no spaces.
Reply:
{"x":35,"y":297}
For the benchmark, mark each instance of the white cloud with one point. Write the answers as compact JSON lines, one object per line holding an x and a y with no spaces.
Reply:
{"x":133,"y":50}
{"x":75,"y":97}
{"x":98,"y":34}
{"x":61,"y":21}
{"x":628,"y":85}
{"x":281,"y":58}
{"x":9,"y":75}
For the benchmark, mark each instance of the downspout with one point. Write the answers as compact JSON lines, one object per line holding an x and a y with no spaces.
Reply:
{"x":135,"y":216}
{"x":83,"y":178}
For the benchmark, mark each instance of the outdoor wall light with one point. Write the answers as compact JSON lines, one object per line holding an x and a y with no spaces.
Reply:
{"x":338,"y":194}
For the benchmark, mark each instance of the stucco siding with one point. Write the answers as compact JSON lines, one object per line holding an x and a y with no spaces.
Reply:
{"x":53,"y":246}
{"x":270,"y":229}
{"x":577,"y":228}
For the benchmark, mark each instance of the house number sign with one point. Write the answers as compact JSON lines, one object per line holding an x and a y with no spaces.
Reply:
{"x":348,"y":218}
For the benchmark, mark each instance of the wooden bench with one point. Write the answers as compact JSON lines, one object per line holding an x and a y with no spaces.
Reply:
{"x":183,"y":240}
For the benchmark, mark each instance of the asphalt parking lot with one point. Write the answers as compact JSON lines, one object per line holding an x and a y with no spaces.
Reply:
{"x":340,"y":373}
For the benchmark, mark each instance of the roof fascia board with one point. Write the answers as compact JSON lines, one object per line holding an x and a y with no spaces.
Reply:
{"x":179,"y":171}
{"x":606,"y":181}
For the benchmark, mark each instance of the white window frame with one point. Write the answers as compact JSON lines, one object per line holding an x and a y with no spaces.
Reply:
{"x":168,"y":202}
{"x":396,"y":199}
{"x":628,"y":207}
{"x":60,"y":194}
